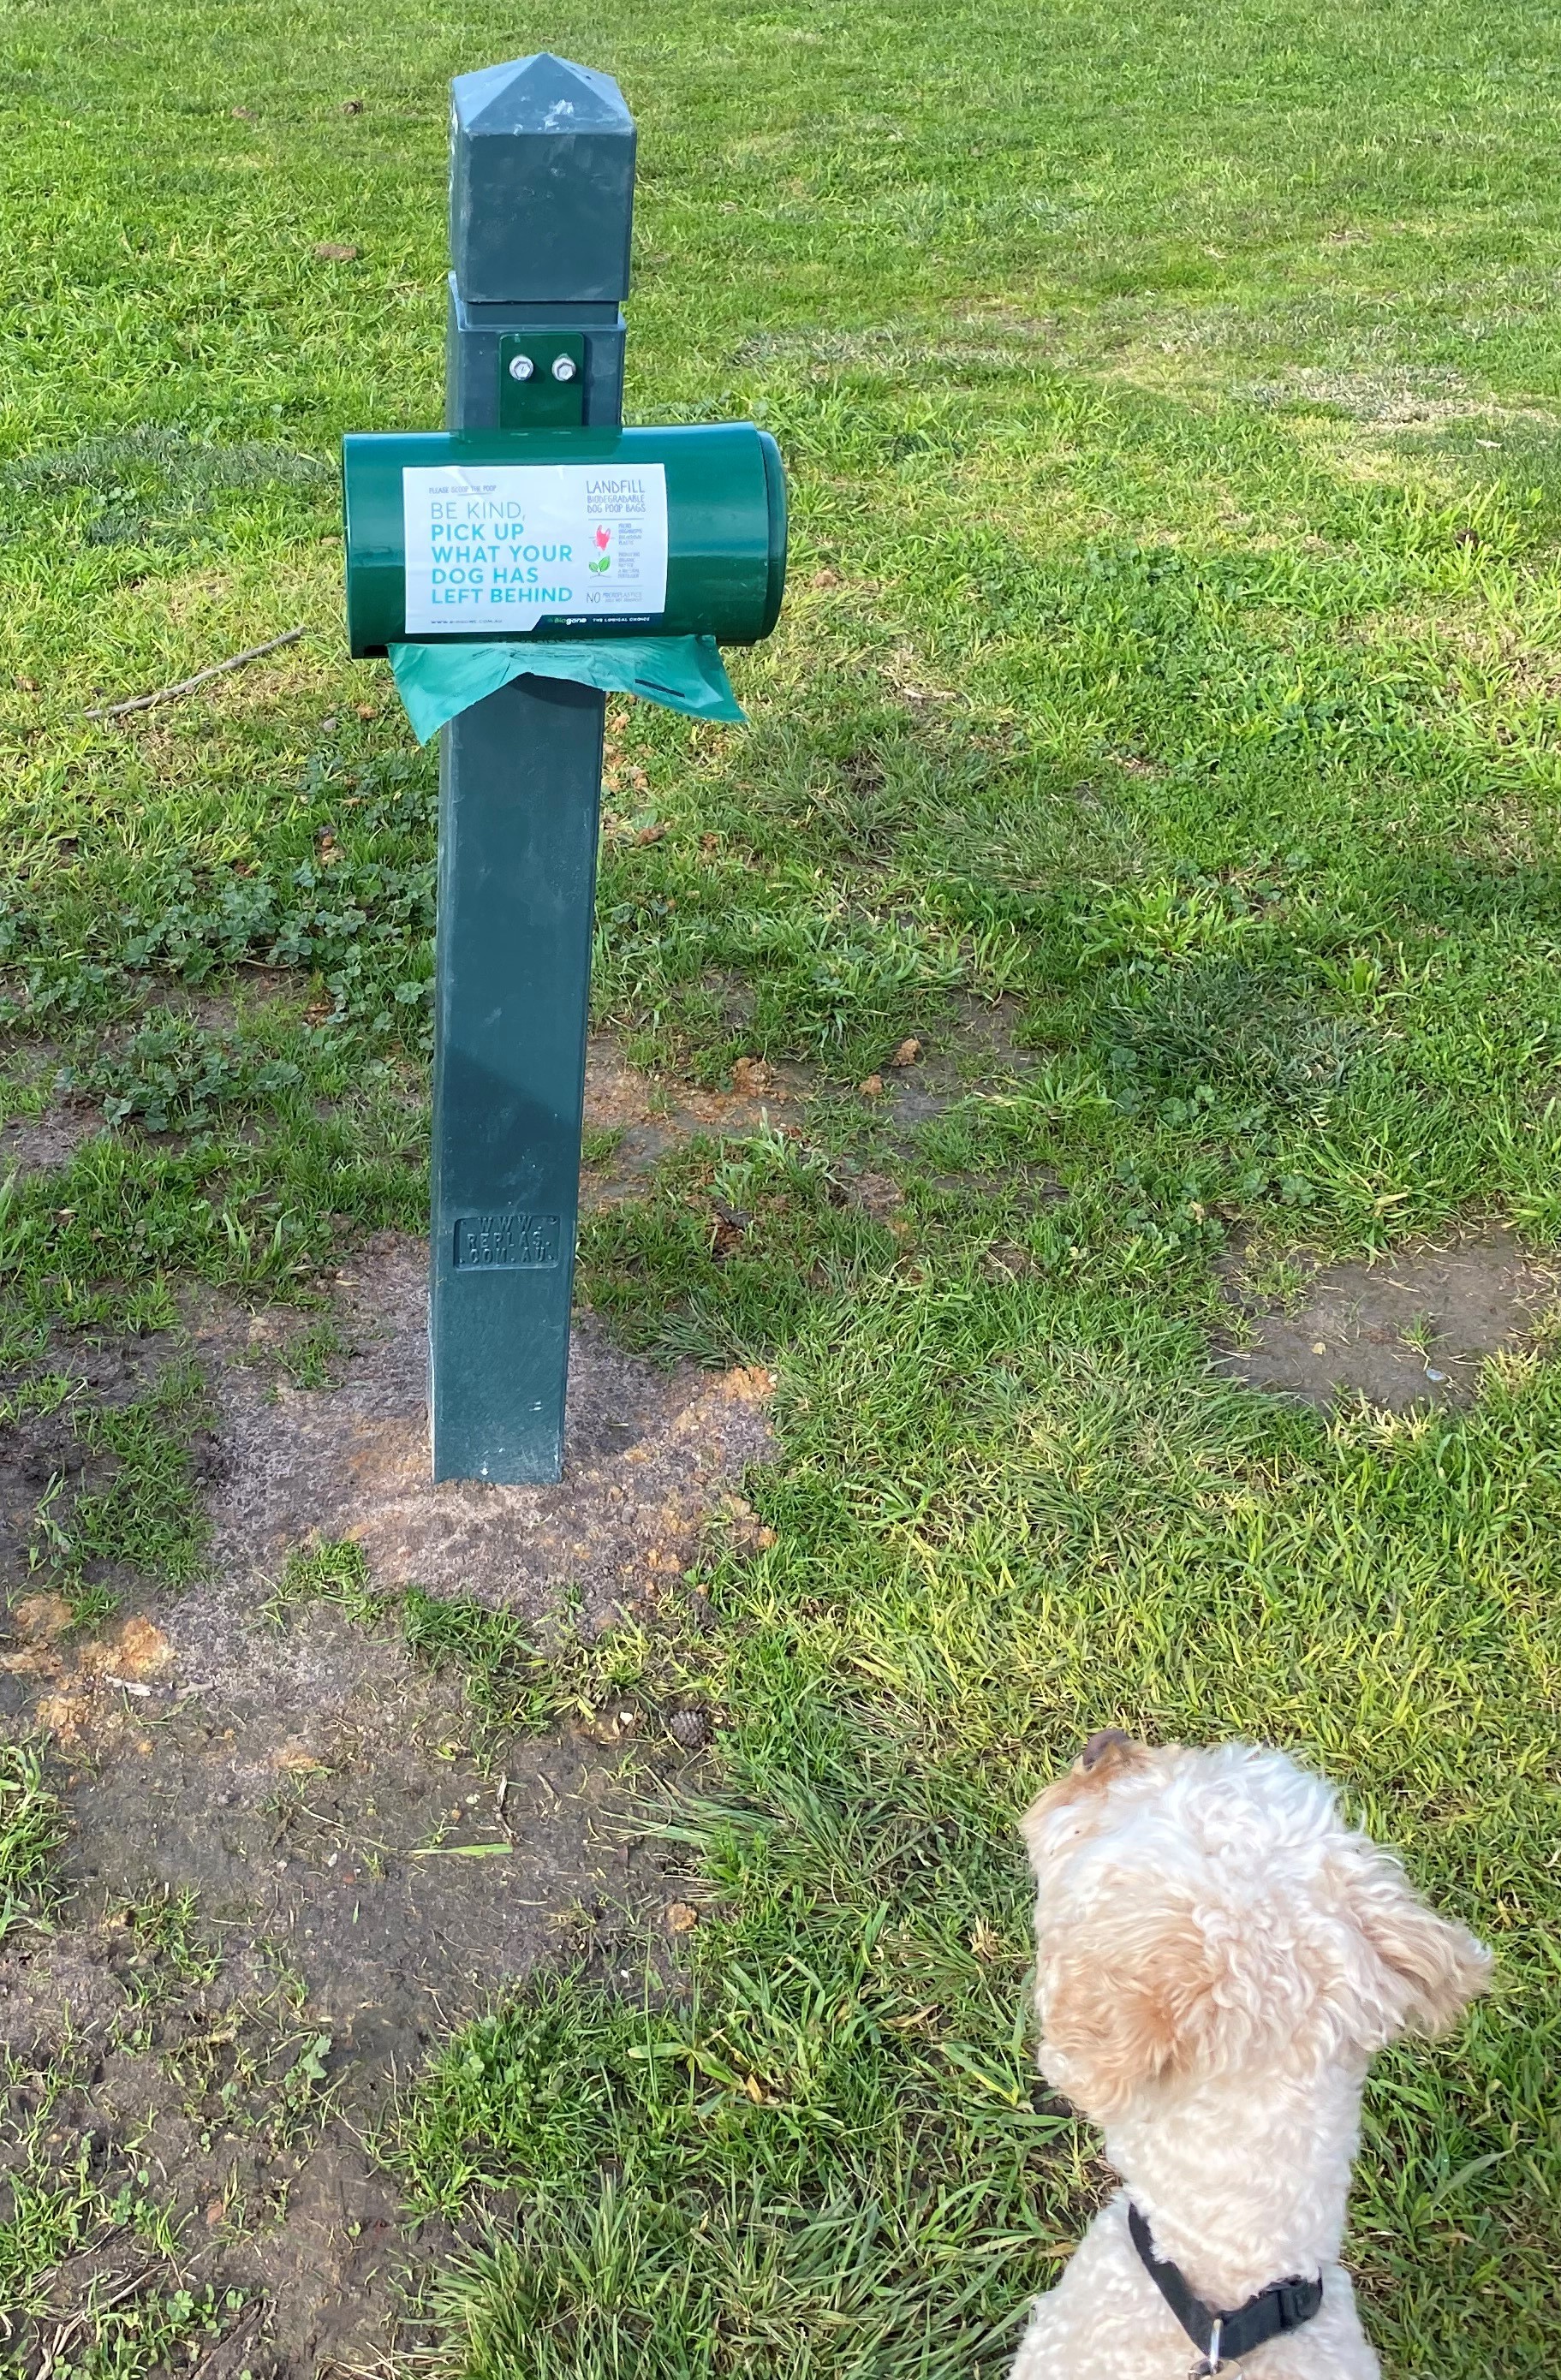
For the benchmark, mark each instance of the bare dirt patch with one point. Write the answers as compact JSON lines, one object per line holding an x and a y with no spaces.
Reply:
{"x":951,"y":1059}
{"x":370,"y":1865}
{"x":199,"y":2088}
{"x":1411,"y":1328}
{"x":47,"y":1142}
{"x":647,"y":1453}
{"x":367,"y":1876}
{"x":370,"y":1858}
{"x":649,"y":1118}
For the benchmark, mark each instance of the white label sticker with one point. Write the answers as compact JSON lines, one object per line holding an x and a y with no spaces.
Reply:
{"x":504,"y":545}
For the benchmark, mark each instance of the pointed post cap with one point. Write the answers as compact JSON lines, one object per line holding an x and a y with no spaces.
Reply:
{"x":542,"y":183}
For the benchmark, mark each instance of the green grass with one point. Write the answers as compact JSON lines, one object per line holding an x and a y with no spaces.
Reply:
{"x":143,"y":1511}
{"x":31,"y":1835}
{"x":1174,"y":420}
{"x":333,"y":1572}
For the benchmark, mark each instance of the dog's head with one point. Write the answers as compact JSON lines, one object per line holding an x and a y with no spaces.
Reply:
{"x":1206,"y":1913}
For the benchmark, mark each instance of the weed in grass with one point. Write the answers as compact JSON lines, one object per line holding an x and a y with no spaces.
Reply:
{"x":507,"y":1680}
{"x":171,"y":1074}
{"x":307,"y":1357}
{"x":514,"y":1683}
{"x":311,"y":1358}
{"x":348,"y":896}
{"x":1203,"y":1034}
{"x":90,"y":1606}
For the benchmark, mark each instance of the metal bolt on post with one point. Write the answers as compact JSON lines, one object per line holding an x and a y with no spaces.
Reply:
{"x":541,"y":190}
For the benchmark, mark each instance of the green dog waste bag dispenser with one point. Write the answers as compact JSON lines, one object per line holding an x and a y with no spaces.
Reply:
{"x":566,"y":536}
{"x":515,"y":569}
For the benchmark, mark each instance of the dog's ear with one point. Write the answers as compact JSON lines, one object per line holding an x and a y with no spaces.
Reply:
{"x":1126,"y":2002}
{"x":1081,"y":1790}
{"x":1421,"y":1971}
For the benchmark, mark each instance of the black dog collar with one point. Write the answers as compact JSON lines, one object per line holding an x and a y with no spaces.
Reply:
{"x":1225,"y":2338}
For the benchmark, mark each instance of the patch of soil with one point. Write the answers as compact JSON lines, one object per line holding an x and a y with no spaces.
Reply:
{"x":650,"y":1120}
{"x":372,"y":1864}
{"x":365,"y":1881}
{"x":356,"y":1833}
{"x":648,"y":1453}
{"x":47,"y":1142}
{"x":1411,"y":1328}
{"x":203,"y":2089}
{"x":974,"y":1047}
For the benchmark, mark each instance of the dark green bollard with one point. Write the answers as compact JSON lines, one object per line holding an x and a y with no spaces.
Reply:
{"x":541,"y":188}
{"x":657,"y":534}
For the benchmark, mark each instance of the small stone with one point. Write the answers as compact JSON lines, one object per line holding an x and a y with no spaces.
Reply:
{"x":682,"y":1917}
{"x":1319,"y":1346}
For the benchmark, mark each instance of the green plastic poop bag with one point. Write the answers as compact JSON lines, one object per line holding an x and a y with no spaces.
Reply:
{"x":436,"y":682}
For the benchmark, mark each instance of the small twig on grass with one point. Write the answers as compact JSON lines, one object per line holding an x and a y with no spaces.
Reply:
{"x":188,"y":685}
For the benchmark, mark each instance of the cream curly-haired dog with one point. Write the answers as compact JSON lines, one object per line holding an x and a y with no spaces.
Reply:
{"x":1218,"y":1957}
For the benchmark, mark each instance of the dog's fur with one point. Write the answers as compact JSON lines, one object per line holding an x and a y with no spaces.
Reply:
{"x":1218,"y":1956}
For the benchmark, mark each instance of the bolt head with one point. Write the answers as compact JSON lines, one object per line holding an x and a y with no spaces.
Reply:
{"x":521,"y":367}
{"x":564,"y":367}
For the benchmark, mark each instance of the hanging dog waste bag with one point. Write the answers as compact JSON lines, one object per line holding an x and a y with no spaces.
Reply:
{"x":438,"y":682}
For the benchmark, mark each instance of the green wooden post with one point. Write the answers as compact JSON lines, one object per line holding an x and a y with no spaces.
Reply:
{"x":542,"y":186}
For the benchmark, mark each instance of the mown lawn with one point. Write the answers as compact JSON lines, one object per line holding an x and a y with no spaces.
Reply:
{"x":1174,"y":410}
